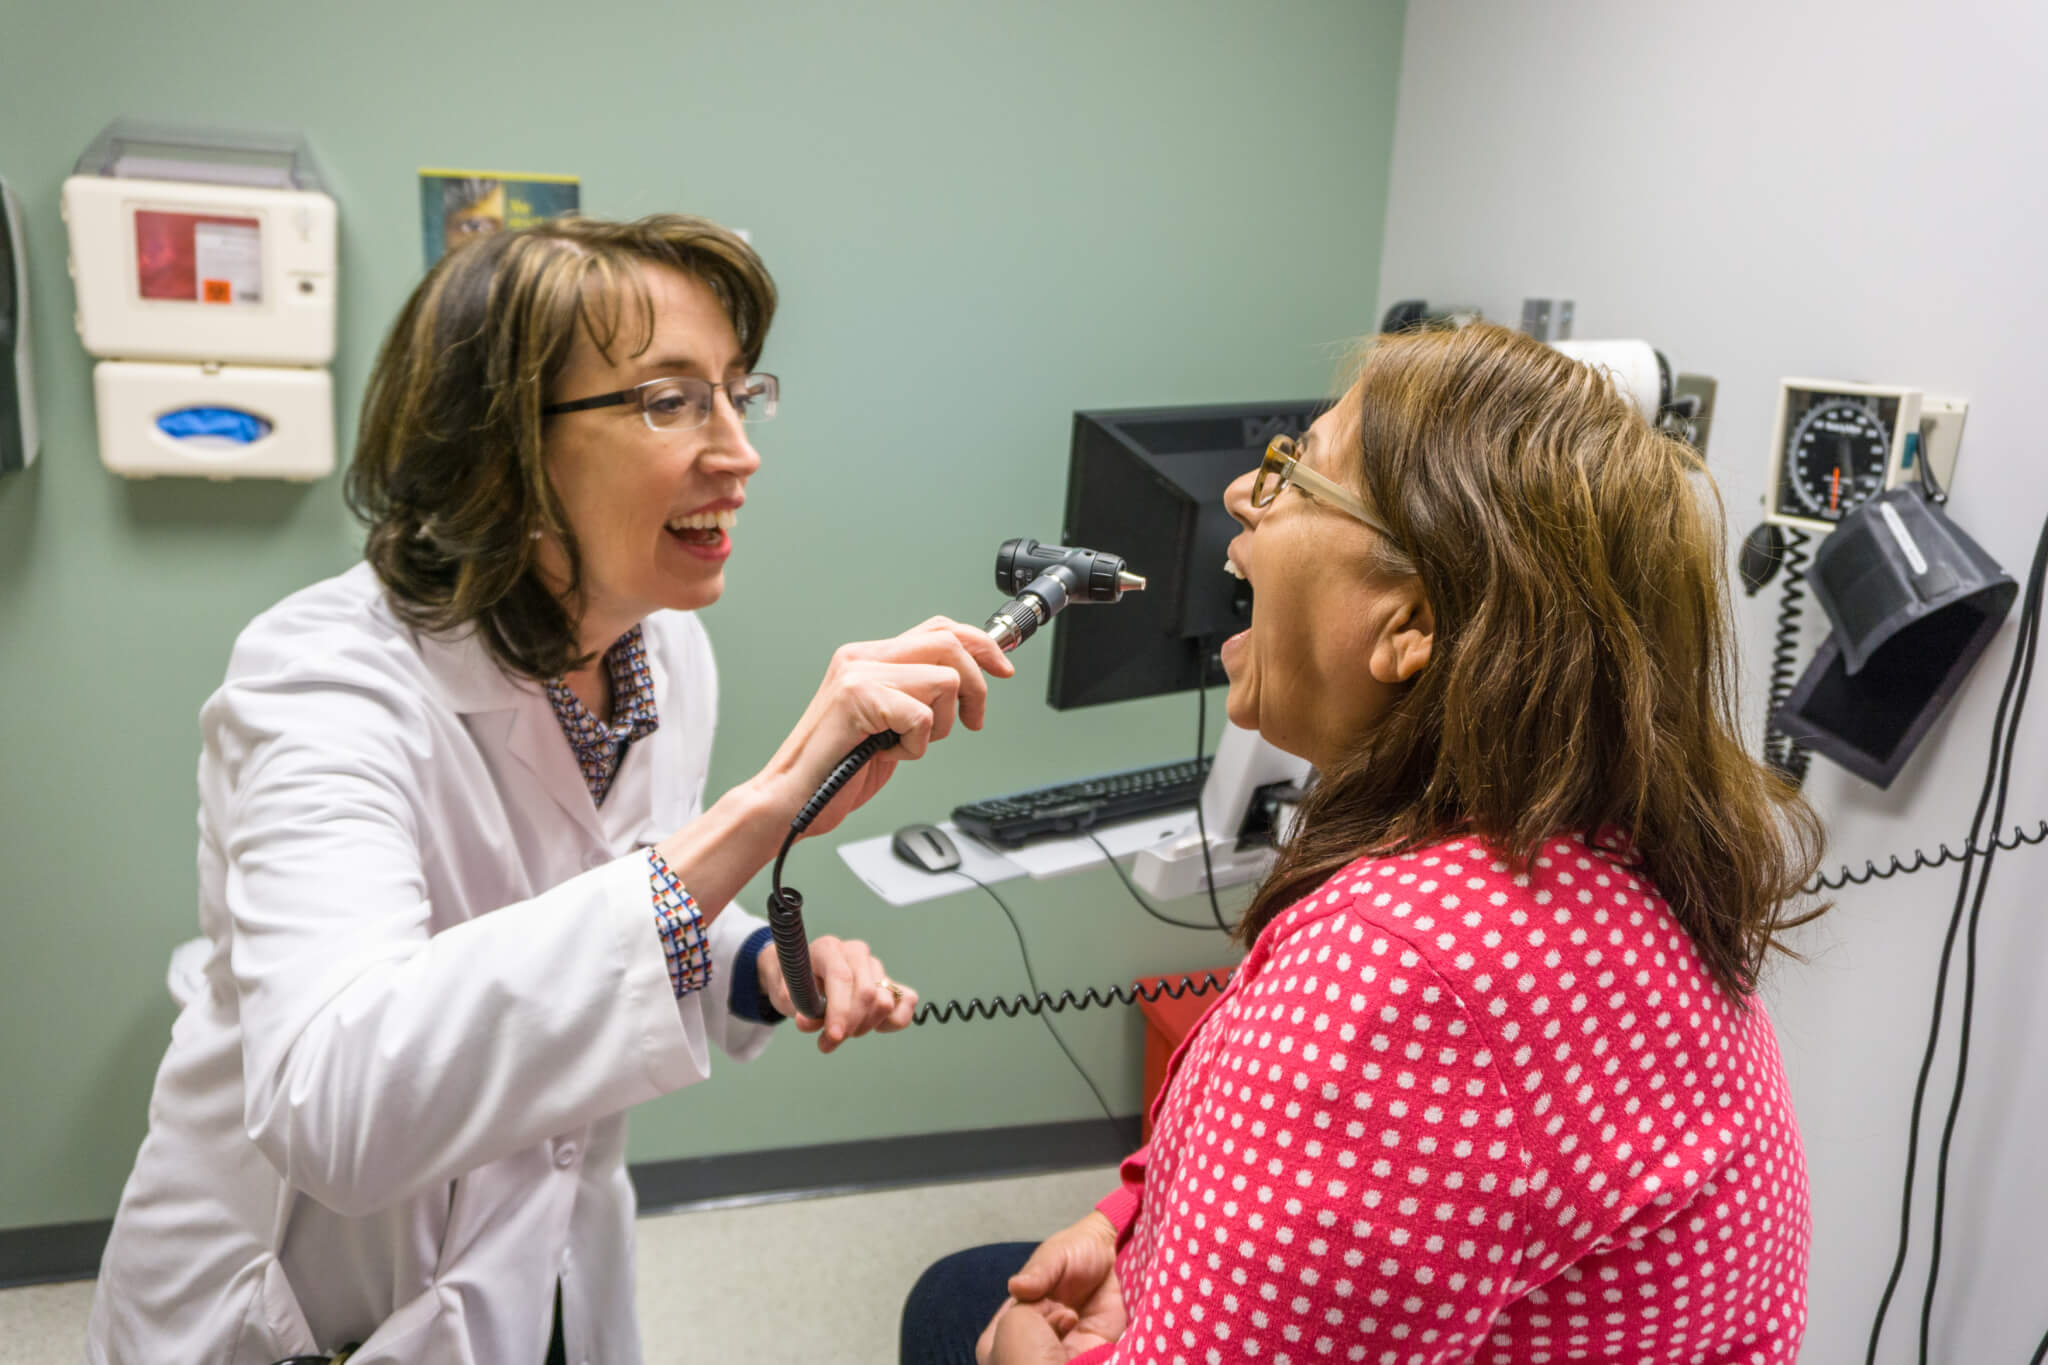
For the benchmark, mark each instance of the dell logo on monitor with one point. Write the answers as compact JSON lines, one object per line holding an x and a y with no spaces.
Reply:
{"x":1260,"y":431}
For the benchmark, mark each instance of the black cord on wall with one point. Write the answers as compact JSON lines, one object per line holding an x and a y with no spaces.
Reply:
{"x":2023,"y":652}
{"x":2019,"y":677}
{"x":1031,"y":977}
{"x":1154,"y":911}
{"x":1781,"y":751}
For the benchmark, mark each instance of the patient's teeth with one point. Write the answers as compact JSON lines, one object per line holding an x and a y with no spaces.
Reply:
{"x":1230,"y":567}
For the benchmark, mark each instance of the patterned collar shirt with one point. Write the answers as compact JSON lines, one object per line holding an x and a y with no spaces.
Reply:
{"x":601,"y":748}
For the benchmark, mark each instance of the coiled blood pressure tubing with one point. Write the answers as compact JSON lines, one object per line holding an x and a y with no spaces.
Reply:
{"x":1043,"y":581}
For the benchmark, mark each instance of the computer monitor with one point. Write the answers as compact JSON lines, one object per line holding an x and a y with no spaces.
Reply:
{"x":1147,"y":484}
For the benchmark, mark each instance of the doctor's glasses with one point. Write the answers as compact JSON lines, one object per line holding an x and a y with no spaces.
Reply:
{"x":684,"y":401}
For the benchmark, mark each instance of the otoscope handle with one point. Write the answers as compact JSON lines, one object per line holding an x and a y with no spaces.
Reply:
{"x":1014,"y":622}
{"x":786,"y":904}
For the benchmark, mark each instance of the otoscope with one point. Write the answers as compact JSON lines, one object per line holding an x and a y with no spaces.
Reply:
{"x":1044,"y":580}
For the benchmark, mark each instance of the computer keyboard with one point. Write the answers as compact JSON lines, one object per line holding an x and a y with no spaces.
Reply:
{"x":1073,"y":807}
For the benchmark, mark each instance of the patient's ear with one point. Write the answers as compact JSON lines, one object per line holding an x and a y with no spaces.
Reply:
{"x":1402,"y":649}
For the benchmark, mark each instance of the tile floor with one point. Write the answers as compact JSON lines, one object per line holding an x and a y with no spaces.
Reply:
{"x":847,"y":1262}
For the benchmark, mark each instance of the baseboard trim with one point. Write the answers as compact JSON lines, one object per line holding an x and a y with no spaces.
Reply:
{"x":47,"y":1252}
{"x":50,"y":1252}
{"x":880,"y":1163}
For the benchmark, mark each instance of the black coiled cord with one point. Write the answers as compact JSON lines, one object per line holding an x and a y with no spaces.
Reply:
{"x":786,"y":903}
{"x":1781,"y":751}
{"x":1921,"y":860}
{"x":793,"y":948}
{"x":1009,"y":1007}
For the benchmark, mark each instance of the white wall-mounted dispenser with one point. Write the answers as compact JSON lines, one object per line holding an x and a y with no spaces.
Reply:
{"x":204,"y":266}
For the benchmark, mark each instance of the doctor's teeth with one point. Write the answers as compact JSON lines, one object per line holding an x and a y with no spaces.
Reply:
{"x":706,"y":521}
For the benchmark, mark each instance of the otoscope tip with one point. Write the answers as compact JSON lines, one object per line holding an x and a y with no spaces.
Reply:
{"x":1126,"y":581}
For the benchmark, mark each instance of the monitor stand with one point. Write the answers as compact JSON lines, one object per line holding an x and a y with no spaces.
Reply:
{"x":1247,"y":791}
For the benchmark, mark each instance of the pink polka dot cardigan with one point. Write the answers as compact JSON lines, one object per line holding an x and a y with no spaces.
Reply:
{"x":1448,"y":1112}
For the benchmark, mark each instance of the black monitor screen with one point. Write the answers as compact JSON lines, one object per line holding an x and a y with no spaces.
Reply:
{"x":1147,"y":484}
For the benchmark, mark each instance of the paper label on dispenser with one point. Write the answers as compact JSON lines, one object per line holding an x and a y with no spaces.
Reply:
{"x":1903,"y":537}
{"x":228,"y":258}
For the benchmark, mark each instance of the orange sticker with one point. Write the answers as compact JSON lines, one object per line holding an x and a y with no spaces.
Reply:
{"x":216,"y":291}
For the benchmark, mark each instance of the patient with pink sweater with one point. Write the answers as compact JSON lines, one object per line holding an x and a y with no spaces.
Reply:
{"x":1493,"y":1082}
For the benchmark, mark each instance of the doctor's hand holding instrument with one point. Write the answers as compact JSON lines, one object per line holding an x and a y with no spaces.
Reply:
{"x":1043,"y":579}
{"x":891,"y":698}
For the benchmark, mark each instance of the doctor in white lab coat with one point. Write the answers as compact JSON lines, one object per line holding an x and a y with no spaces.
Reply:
{"x":463,"y":902}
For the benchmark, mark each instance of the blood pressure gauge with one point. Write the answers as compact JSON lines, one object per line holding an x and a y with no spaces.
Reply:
{"x":1839,"y":444}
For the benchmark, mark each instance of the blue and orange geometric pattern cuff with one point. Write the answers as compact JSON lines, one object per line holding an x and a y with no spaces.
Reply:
{"x":682,"y":929}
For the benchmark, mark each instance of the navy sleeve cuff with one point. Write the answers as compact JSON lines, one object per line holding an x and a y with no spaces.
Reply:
{"x":745,"y":998}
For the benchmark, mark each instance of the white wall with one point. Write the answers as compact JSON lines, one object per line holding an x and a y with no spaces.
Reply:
{"x":1850,"y":190}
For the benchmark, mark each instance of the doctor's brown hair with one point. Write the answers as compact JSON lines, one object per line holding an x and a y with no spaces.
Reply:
{"x":448,"y":470}
{"x":1582,"y":670}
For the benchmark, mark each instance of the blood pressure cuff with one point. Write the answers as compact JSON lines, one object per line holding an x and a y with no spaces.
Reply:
{"x":1894,"y":562}
{"x":1913,"y":602}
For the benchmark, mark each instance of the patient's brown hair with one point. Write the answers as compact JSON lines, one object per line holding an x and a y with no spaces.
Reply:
{"x":1581,"y":673}
{"x":448,"y":470}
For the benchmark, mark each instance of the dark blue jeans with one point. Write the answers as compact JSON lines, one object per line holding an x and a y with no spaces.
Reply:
{"x":954,"y":1299}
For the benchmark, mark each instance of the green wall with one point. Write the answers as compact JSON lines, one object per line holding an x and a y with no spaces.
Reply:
{"x":982,"y":217}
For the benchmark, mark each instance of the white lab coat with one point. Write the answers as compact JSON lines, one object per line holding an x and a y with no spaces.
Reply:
{"x":396,"y":1113}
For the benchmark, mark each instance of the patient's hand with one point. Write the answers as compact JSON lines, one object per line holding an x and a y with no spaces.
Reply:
{"x":1068,"y":1265}
{"x":1099,"y":1321}
{"x":1071,"y":1281}
{"x":1021,"y":1337}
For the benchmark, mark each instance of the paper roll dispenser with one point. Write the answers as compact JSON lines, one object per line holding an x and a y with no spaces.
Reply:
{"x":1912,"y":602}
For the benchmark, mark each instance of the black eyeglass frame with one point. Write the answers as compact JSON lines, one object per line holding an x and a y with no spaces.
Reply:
{"x":619,"y":397}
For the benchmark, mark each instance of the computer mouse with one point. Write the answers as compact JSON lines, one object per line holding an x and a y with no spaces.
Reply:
{"x":927,"y":847}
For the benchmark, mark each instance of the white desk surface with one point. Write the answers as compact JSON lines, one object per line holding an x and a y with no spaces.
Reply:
{"x":899,"y":883}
